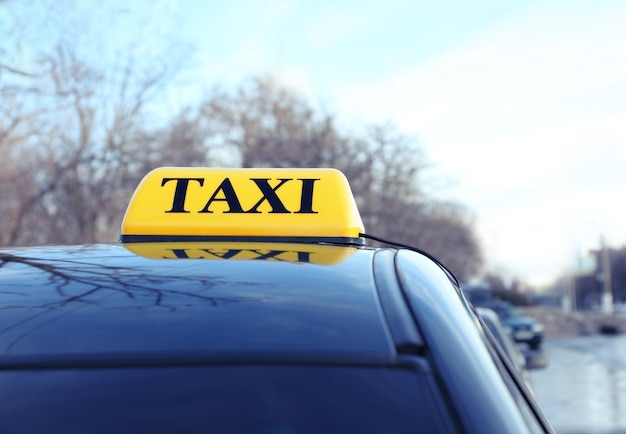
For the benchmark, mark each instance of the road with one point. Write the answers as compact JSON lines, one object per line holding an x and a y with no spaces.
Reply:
{"x":583,"y":389}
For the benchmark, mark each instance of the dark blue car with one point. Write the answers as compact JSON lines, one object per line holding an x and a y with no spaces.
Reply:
{"x":192,"y":329}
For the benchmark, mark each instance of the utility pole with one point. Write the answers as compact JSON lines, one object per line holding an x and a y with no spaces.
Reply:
{"x":571,"y":283}
{"x":569,"y":302}
{"x":607,"y":289}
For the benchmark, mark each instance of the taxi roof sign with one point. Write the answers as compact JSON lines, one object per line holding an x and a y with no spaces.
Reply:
{"x":197,"y":204}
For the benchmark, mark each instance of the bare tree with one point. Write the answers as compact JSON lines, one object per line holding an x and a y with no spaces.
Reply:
{"x":76,"y":135}
{"x":73,"y":134}
{"x":265,"y":125}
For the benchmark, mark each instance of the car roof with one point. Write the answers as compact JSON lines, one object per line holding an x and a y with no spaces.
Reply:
{"x":106,"y":299}
{"x":107,"y":305}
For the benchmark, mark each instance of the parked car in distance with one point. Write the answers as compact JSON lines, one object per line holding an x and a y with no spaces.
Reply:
{"x":503,"y":336}
{"x":522,"y":362}
{"x":524,"y":329}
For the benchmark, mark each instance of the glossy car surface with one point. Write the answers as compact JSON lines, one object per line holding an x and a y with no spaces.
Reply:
{"x":103,"y":339}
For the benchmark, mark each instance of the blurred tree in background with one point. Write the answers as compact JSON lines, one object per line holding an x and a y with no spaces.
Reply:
{"x":83,"y":118}
{"x":261,"y":124}
{"x":510,"y":292}
{"x":73,"y":105}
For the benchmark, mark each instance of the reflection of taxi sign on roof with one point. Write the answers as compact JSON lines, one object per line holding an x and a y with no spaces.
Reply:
{"x":195,"y":204}
{"x":321,"y":254}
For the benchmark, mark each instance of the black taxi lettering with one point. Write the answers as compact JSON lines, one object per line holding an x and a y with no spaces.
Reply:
{"x":181,"y":191}
{"x":225,"y":192}
{"x":230,"y":197}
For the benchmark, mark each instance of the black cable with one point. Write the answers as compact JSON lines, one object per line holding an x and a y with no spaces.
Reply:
{"x":445,"y":269}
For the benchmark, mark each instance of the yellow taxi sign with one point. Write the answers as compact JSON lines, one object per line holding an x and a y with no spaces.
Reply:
{"x":244,"y":251}
{"x":191,"y":204}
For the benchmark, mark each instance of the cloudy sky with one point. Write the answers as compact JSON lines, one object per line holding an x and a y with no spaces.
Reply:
{"x":522,"y":105}
{"x":519,"y":105}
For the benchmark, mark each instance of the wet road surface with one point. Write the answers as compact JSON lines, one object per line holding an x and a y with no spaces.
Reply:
{"x":583,"y":388}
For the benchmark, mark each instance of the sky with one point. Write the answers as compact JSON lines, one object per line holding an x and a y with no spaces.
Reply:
{"x":520,"y":106}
